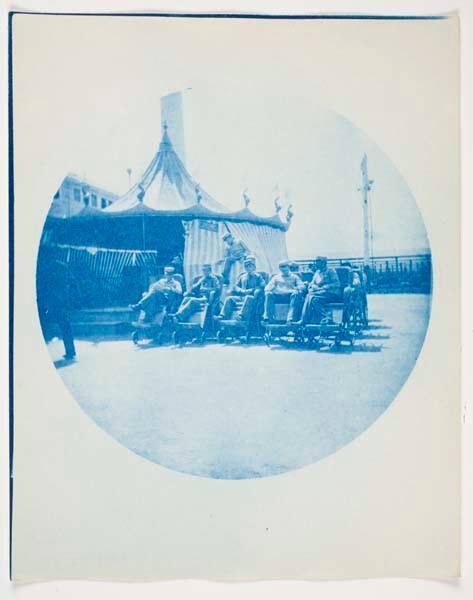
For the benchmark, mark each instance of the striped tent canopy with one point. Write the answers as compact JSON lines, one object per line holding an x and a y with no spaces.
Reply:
{"x":167,"y":190}
{"x":165,"y":186}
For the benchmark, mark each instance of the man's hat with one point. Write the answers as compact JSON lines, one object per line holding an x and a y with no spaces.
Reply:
{"x":321,"y":258}
{"x":169,"y":269}
{"x":250,"y":260}
{"x":227,"y":235}
{"x":207,"y":266}
{"x":284,"y":263}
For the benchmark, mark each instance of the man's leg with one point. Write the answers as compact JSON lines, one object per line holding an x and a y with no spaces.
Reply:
{"x":151,"y":302}
{"x":307,"y":310}
{"x":294,"y":306}
{"x":348,"y":298}
{"x":227,"y":267}
{"x":183,"y":306}
{"x":228,"y":306}
{"x":67,"y":337}
{"x":320,"y":300}
{"x":246,"y":307}
{"x":173,"y":302}
{"x":259,"y":302}
{"x":269,"y":299}
{"x":189,"y":308}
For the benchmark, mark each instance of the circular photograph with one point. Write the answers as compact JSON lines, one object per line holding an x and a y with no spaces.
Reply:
{"x":241,"y":290}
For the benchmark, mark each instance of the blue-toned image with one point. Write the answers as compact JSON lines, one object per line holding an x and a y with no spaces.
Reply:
{"x":224,"y":324}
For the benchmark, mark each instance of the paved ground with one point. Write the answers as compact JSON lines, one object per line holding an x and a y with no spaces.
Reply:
{"x":238,"y":412}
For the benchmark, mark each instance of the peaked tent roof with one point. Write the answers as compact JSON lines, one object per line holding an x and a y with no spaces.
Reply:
{"x":168,"y":190}
{"x":166,"y":185}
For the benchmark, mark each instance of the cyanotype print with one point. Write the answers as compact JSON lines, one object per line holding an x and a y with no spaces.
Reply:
{"x":246,"y":338}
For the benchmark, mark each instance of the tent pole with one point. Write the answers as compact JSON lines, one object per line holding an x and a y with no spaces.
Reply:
{"x":143,"y":233}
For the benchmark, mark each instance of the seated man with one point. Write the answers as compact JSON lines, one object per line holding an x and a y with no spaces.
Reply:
{"x":235,"y":251}
{"x":164,"y":293}
{"x":354,"y":292}
{"x":249,"y":286}
{"x":323,"y":289}
{"x":283,"y":287}
{"x":201,"y":292}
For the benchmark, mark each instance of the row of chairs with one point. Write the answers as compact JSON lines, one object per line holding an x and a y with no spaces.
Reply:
{"x":343,"y":321}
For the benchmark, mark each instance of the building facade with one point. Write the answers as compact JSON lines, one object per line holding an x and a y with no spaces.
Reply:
{"x":75,"y":193}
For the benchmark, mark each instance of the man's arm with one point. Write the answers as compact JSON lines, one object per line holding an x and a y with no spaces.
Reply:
{"x":177,"y":287}
{"x":261,"y":282}
{"x":195,"y":288}
{"x":299,"y":283}
{"x":333,"y":282}
{"x":271,"y":285}
{"x":238,"y":286}
{"x":152,"y":290}
{"x":313,"y":285}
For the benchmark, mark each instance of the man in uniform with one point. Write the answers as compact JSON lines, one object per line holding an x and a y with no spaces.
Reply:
{"x":202,"y":292}
{"x":235,"y":251}
{"x":323,"y":289}
{"x":249,"y":286}
{"x":282,"y":288}
{"x":164,"y":293}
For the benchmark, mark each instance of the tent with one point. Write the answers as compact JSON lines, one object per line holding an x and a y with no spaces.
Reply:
{"x":166,"y":214}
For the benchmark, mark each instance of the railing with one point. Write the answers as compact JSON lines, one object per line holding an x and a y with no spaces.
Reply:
{"x":389,"y":274}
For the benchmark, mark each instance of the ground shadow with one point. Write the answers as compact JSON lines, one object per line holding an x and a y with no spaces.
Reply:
{"x":373,"y":336}
{"x":64,"y":362}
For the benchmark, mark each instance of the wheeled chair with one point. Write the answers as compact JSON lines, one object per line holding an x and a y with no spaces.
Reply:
{"x":200,"y":324}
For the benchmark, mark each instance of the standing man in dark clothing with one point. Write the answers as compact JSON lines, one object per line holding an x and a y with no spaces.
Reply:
{"x":249,"y":286}
{"x":323,"y":289}
{"x":202,"y":292}
{"x":56,"y":290}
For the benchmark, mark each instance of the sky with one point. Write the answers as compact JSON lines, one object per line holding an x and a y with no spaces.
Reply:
{"x":253,"y":120}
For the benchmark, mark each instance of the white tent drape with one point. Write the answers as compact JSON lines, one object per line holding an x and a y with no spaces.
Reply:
{"x":204,"y":244}
{"x":266,"y":243}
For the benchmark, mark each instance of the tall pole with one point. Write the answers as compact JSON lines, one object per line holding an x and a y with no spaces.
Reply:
{"x":366,"y":185}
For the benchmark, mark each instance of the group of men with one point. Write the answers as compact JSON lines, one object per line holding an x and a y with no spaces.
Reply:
{"x":306,"y":300}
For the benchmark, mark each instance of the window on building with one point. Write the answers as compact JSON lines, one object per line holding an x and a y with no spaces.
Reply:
{"x":104,"y":203}
{"x":77,"y":194}
{"x":66,"y":192}
{"x":94,"y":199}
{"x":86,"y":200}
{"x":56,"y":195}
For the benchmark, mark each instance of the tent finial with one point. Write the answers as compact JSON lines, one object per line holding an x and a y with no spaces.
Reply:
{"x":141,"y":193}
{"x":198,"y":195}
{"x":277,"y":199}
{"x":289,"y":214}
{"x":246,"y":198}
